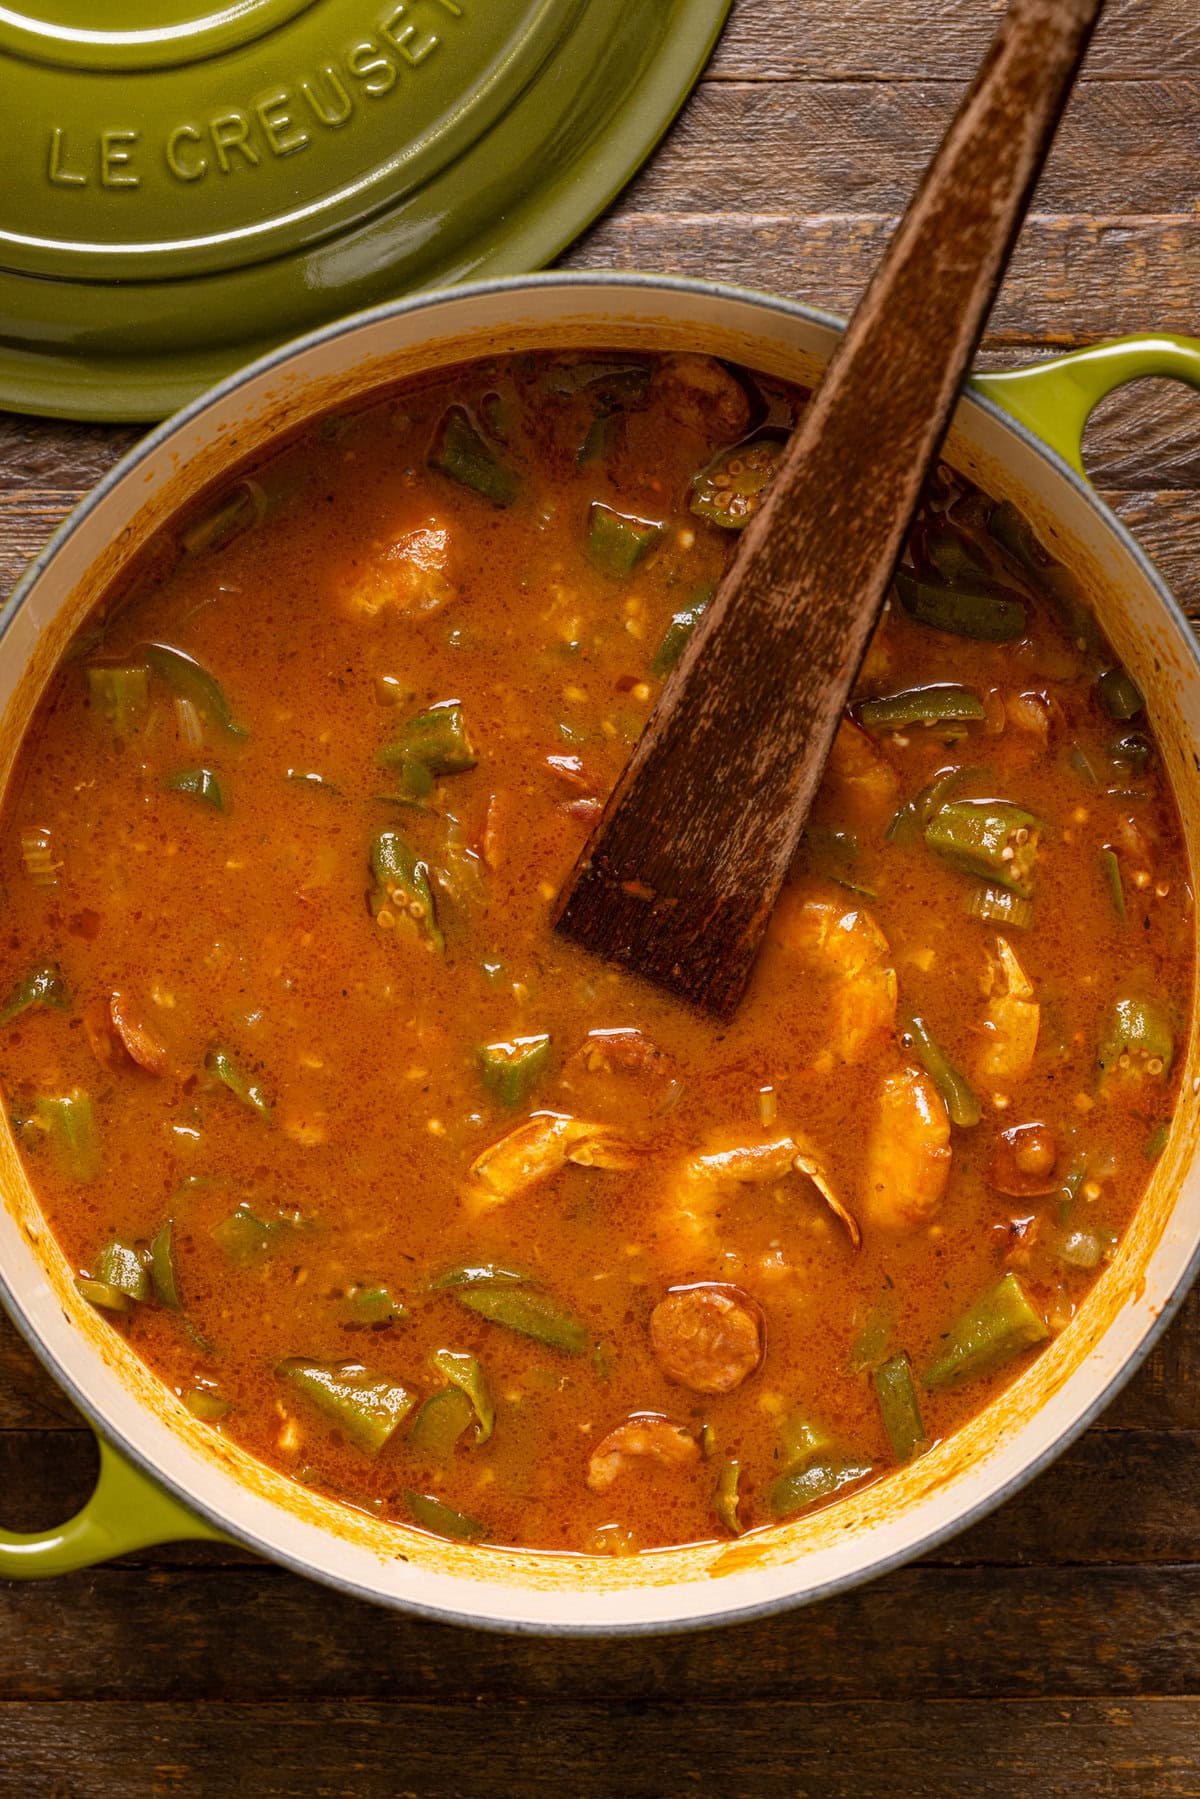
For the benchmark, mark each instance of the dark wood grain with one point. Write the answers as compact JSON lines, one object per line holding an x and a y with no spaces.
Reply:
{"x":679,"y":877}
{"x":1050,"y":1653}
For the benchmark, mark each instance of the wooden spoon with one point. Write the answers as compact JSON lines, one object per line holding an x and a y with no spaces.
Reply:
{"x":680,"y":875}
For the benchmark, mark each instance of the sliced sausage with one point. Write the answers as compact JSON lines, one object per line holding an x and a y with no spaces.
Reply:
{"x":640,"y":1439}
{"x":707,"y":1338}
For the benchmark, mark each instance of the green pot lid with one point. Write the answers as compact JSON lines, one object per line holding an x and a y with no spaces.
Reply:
{"x":188,"y":182}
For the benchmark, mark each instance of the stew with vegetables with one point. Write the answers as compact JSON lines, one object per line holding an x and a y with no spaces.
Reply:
{"x":418,"y":1203}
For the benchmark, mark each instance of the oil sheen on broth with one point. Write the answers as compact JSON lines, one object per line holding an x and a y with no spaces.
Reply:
{"x":423,"y":1206}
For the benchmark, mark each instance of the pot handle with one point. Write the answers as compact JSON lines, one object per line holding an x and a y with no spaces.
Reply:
{"x":1055,"y":399}
{"x":126,"y":1511}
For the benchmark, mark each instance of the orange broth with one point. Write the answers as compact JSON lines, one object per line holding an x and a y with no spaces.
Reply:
{"x":239,"y":1012}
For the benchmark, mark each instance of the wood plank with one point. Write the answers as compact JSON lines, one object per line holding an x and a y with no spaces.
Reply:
{"x":141,"y":1635}
{"x":1055,"y":1748}
{"x":1073,"y":280}
{"x":1125,"y":147}
{"x":878,"y":40}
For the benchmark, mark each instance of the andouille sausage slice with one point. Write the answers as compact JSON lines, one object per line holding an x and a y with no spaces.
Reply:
{"x":708,"y":1338}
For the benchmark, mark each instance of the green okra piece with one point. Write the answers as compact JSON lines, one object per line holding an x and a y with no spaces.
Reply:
{"x":988,"y":616}
{"x":683,"y":623}
{"x":162,"y":1268}
{"x":617,"y":541}
{"x":1119,"y":695}
{"x":123,"y":1267}
{"x":996,"y":905}
{"x":440,"y":1423}
{"x":530,"y":1314}
{"x":920,"y":706}
{"x":369,"y":1408}
{"x":70,"y":1125}
{"x":368,"y":1307}
{"x":726,"y":1496}
{"x":465,"y":1372}
{"x":896,"y":1392}
{"x":221,"y":1063}
{"x":510,"y":1071}
{"x":461,"y":451}
{"x":962,"y":1101}
{"x":730,"y":490}
{"x":41,"y":986}
{"x":998,"y":1326}
{"x":193,"y":681}
{"x":442,"y":1520}
{"x":1140,"y":1029}
{"x":993,"y":839}
{"x":816,"y":1481}
{"x":121,"y":693}
{"x":402,"y":885}
{"x":199,"y":784}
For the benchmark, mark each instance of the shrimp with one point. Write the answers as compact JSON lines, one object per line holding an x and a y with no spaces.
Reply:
{"x":908,"y":1152}
{"x":704,"y":1179}
{"x":858,"y":781}
{"x":842,"y":943}
{"x":1013,"y":1018}
{"x":407,"y":575}
{"x":707,"y":1338}
{"x":645,"y":1437}
{"x":545,"y":1143}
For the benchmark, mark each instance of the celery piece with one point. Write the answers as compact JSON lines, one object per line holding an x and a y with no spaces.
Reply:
{"x":199,"y":784}
{"x":101,"y":1294}
{"x":465,"y":1372}
{"x":617,"y":541}
{"x":510,"y":1071}
{"x":122,"y":1266}
{"x":368,"y":1307}
{"x":442,"y":1520}
{"x":530,"y":1314}
{"x":726,"y":1497}
{"x":461,"y":451}
{"x":1000,"y":1324}
{"x":730,"y":490}
{"x":1140,"y":1030}
{"x":1110,"y":868}
{"x":996,"y":905}
{"x":162,"y":1269}
{"x":1118,"y":694}
{"x":219,"y":1062}
{"x":120,"y":693}
{"x":369,"y":1408}
{"x":70,"y":1123}
{"x":897,"y":1394}
{"x":41,"y":986}
{"x":993,"y":839}
{"x":402,"y":889}
{"x":683,"y":623}
{"x":184,"y":675}
{"x":962,"y":1101}
{"x":441,"y":1422}
{"x":817,"y":1480}
{"x":986,"y":613}
{"x":919,"y":706}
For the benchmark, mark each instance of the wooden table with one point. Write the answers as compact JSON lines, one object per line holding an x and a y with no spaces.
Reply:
{"x":1051,"y":1650}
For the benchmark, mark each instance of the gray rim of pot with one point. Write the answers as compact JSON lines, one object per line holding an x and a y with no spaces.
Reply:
{"x":582,"y":280}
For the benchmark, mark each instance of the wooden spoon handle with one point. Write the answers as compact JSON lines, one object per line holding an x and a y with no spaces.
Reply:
{"x":681,"y":873}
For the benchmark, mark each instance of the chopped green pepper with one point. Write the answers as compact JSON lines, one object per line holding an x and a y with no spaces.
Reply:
{"x":122,"y":1266}
{"x":617,"y":541}
{"x":442,"y":1520}
{"x":731,"y":489}
{"x":510,"y":1071}
{"x":897,"y":1394}
{"x":432,"y":743}
{"x":200,"y":784}
{"x":990,"y":838}
{"x":962,"y":1101}
{"x":368,"y":1407}
{"x":531,"y":1314}
{"x":441,"y":1421}
{"x":996,"y":905}
{"x":99,"y":1293}
{"x":988,"y":616}
{"x":465,"y":1372}
{"x":1110,"y":868}
{"x":461,"y":451}
{"x":206,"y":1405}
{"x":677,"y":633}
{"x":220,"y":1063}
{"x":818,"y":1480}
{"x":370,"y":1307}
{"x":920,"y":705}
{"x":1140,"y":1030}
{"x":191,"y":679}
{"x":162,"y":1269}
{"x":120,"y":693}
{"x":726,"y":1497}
{"x":800,"y":1437}
{"x":42,"y":986}
{"x":1118,"y":695}
{"x":402,"y":891}
{"x":999,"y":1325}
{"x":70,"y":1123}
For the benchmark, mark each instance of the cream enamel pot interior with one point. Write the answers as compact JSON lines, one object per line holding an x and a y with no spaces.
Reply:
{"x":165,"y":1476}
